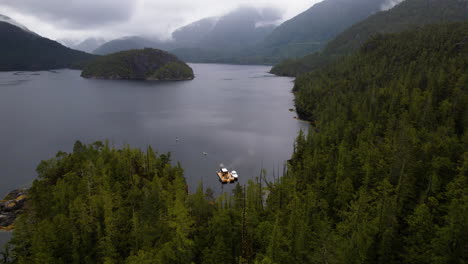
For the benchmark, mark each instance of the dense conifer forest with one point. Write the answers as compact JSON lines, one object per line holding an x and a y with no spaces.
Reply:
{"x":407,"y":15}
{"x":139,"y":64}
{"x":25,"y":51}
{"x":381,"y":178}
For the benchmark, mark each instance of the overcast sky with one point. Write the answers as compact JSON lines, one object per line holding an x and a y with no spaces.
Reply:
{"x":79,"y":19}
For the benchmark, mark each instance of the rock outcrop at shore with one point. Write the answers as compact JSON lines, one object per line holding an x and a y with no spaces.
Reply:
{"x":10,"y":207}
{"x":146,"y":64}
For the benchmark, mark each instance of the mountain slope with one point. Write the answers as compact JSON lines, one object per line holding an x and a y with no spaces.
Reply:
{"x":130,"y":43}
{"x":89,"y":45}
{"x":238,"y":38}
{"x":22,"y":50}
{"x":385,"y":170}
{"x":310,"y":30}
{"x":240,"y":28}
{"x":227,"y":38}
{"x":406,"y":15}
{"x":14,"y":23}
{"x":192,"y":34}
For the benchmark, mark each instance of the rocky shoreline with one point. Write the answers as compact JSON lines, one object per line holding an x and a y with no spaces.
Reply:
{"x":10,"y":207}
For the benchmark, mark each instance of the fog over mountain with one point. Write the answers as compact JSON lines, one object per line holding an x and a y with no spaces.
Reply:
{"x":112,"y":19}
{"x":195,"y":32}
{"x":6,"y":19}
{"x":23,"y":50}
{"x":131,"y":42}
{"x":236,"y":32}
{"x":233,"y":31}
{"x":310,"y":30}
{"x":239,"y":28}
{"x":78,"y":21}
{"x":89,"y":44}
{"x":390,"y":4}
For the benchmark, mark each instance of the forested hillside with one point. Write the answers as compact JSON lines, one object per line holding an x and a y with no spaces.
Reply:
{"x":409,"y":14}
{"x":381,"y":178}
{"x":312,"y":29}
{"x":144,"y":64}
{"x":22,"y":50}
{"x":101,"y":205}
{"x":387,"y":163}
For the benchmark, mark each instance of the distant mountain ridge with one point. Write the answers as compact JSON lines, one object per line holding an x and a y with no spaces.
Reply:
{"x":192,"y":34}
{"x":24,"y":50}
{"x":225,"y":39}
{"x":89,"y":44}
{"x":208,"y":39}
{"x":406,"y":15}
{"x":240,"y":28}
{"x":251,"y":36}
{"x":129,"y":43}
{"x":11,"y":21}
{"x":313,"y":28}
{"x":305,"y":33}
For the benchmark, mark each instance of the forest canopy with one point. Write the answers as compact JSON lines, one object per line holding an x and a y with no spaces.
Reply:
{"x":139,"y":64}
{"x":409,"y":14}
{"x":381,"y":178}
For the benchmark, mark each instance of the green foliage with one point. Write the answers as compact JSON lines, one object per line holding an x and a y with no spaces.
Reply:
{"x":172,"y":71}
{"x":311,"y":30}
{"x":104,"y":205}
{"x":407,"y":15}
{"x":381,"y":178}
{"x":389,"y":122}
{"x":145,"y":64}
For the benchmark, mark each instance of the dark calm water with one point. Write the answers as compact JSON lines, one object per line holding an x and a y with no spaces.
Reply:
{"x":237,"y":114}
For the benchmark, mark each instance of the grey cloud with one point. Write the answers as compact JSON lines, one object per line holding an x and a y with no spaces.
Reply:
{"x":75,"y":14}
{"x":255,"y":14}
{"x":390,"y":4}
{"x":110,"y":19}
{"x":271,"y":14}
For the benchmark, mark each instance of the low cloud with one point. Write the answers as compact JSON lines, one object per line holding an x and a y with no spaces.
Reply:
{"x":80,"y":19}
{"x":75,"y":14}
{"x":271,"y":14}
{"x":254,"y":15}
{"x":389,"y":4}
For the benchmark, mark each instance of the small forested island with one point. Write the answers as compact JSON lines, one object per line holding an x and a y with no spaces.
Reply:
{"x":144,"y":64}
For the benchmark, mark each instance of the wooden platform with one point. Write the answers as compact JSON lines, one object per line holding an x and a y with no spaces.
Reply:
{"x":225,"y":177}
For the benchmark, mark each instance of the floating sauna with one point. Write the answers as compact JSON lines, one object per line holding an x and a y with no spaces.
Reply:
{"x":225,"y":176}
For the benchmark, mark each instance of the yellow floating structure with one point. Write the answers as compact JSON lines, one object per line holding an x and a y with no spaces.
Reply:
{"x":225,"y":176}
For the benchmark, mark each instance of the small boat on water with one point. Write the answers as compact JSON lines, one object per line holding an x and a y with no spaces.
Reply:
{"x":225,"y":176}
{"x":235,"y":175}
